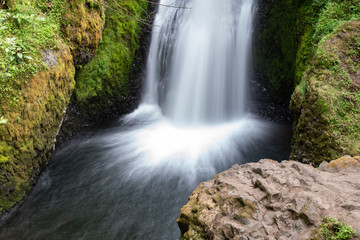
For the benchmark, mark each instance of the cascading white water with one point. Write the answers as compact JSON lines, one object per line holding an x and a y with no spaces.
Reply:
{"x":198,"y":60}
{"x":193,"y":115}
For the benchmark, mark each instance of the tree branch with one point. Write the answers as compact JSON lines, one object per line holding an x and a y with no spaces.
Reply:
{"x":164,"y":5}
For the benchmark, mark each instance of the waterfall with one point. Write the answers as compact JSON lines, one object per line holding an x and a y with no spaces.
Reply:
{"x":197,"y":68}
{"x":137,"y":173}
{"x":194,"y":111}
{"x":193,"y":123}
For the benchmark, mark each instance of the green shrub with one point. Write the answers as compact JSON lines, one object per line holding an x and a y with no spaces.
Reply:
{"x":333,"y":229}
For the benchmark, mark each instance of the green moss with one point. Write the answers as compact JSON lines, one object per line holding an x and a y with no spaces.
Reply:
{"x":23,"y":35}
{"x":291,"y":35}
{"x":192,"y":235}
{"x":107,"y":74}
{"x":312,"y":46}
{"x":27,"y":138}
{"x":36,"y":82}
{"x":326,"y":116}
{"x":320,"y":18}
{"x":41,"y":44}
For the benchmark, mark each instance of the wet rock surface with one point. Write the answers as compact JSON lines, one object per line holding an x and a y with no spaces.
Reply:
{"x":272,"y":200}
{"x":261,"y":102}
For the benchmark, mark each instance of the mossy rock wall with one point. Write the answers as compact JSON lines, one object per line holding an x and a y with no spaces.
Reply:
{"x":302,"y":53}
{"x":107,"y":75}
{"x":44,"y":45}
{"x":110,"y":84}
{"x":327,"y":101}
{"x":29,"y":134}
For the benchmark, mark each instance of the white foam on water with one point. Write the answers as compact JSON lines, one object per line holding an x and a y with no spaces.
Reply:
{"x":156,"y":145}
{"x":193,"y":118}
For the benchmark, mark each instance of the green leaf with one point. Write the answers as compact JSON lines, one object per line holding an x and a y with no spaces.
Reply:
{"x":3,"y":120}
{"x":19,"y":55}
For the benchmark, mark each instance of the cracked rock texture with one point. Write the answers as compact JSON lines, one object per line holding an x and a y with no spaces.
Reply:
{"x":272,"y":200}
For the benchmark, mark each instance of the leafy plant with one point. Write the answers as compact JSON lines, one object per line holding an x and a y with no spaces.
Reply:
{"x":24,"y":33}
{"x":333,"y":229}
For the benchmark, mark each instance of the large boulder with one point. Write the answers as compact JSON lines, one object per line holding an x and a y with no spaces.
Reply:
{"x":272,"y":200}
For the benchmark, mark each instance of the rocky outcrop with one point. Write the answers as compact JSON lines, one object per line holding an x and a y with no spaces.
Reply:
{"x":326,"y":103}
{"x":40,"y":43}
{"x":110,"y":84}
{"x":272,"y":200}
{"x":82,"y":29}
{"x":27,"y":139}
{"x":44,"y":45}
{"x":313,"y":46}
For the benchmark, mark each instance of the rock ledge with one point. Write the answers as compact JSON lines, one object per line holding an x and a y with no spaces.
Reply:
{"x":272,"y":200}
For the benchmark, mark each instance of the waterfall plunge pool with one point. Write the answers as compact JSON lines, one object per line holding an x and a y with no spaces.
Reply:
{"x":130,"y":180}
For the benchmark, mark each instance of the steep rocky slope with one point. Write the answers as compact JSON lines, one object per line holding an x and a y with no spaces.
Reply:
{"x":326,"y":102}
{"x":109,"y":85}
{"x":272,"y":200}
{"x":43,"y":46}
{"x":312,"y":46}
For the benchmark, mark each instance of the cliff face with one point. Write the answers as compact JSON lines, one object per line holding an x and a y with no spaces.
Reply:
{"x":272,"y":200}
{"x":275,"y":45}
{"x":109,"y":85}
{"x":326,"y":103}
{"x":43,"y":46}
{"x":312,"y":47}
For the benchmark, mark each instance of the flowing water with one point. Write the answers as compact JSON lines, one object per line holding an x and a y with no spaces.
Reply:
{"x":130,"y":179}
{"x":199,"y":59}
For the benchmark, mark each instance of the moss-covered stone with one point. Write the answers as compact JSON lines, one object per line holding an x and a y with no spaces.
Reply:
{"x":82,"y":26}
{"x":107,"y":76}
{"x":27,"y":138}
{"x":42,"y":44}
{"x":327,"y":108}
{"x":289,"y":36}
{"x":344,"y":163}
{"x":300,"y":46}
{"x":109,"y":85}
